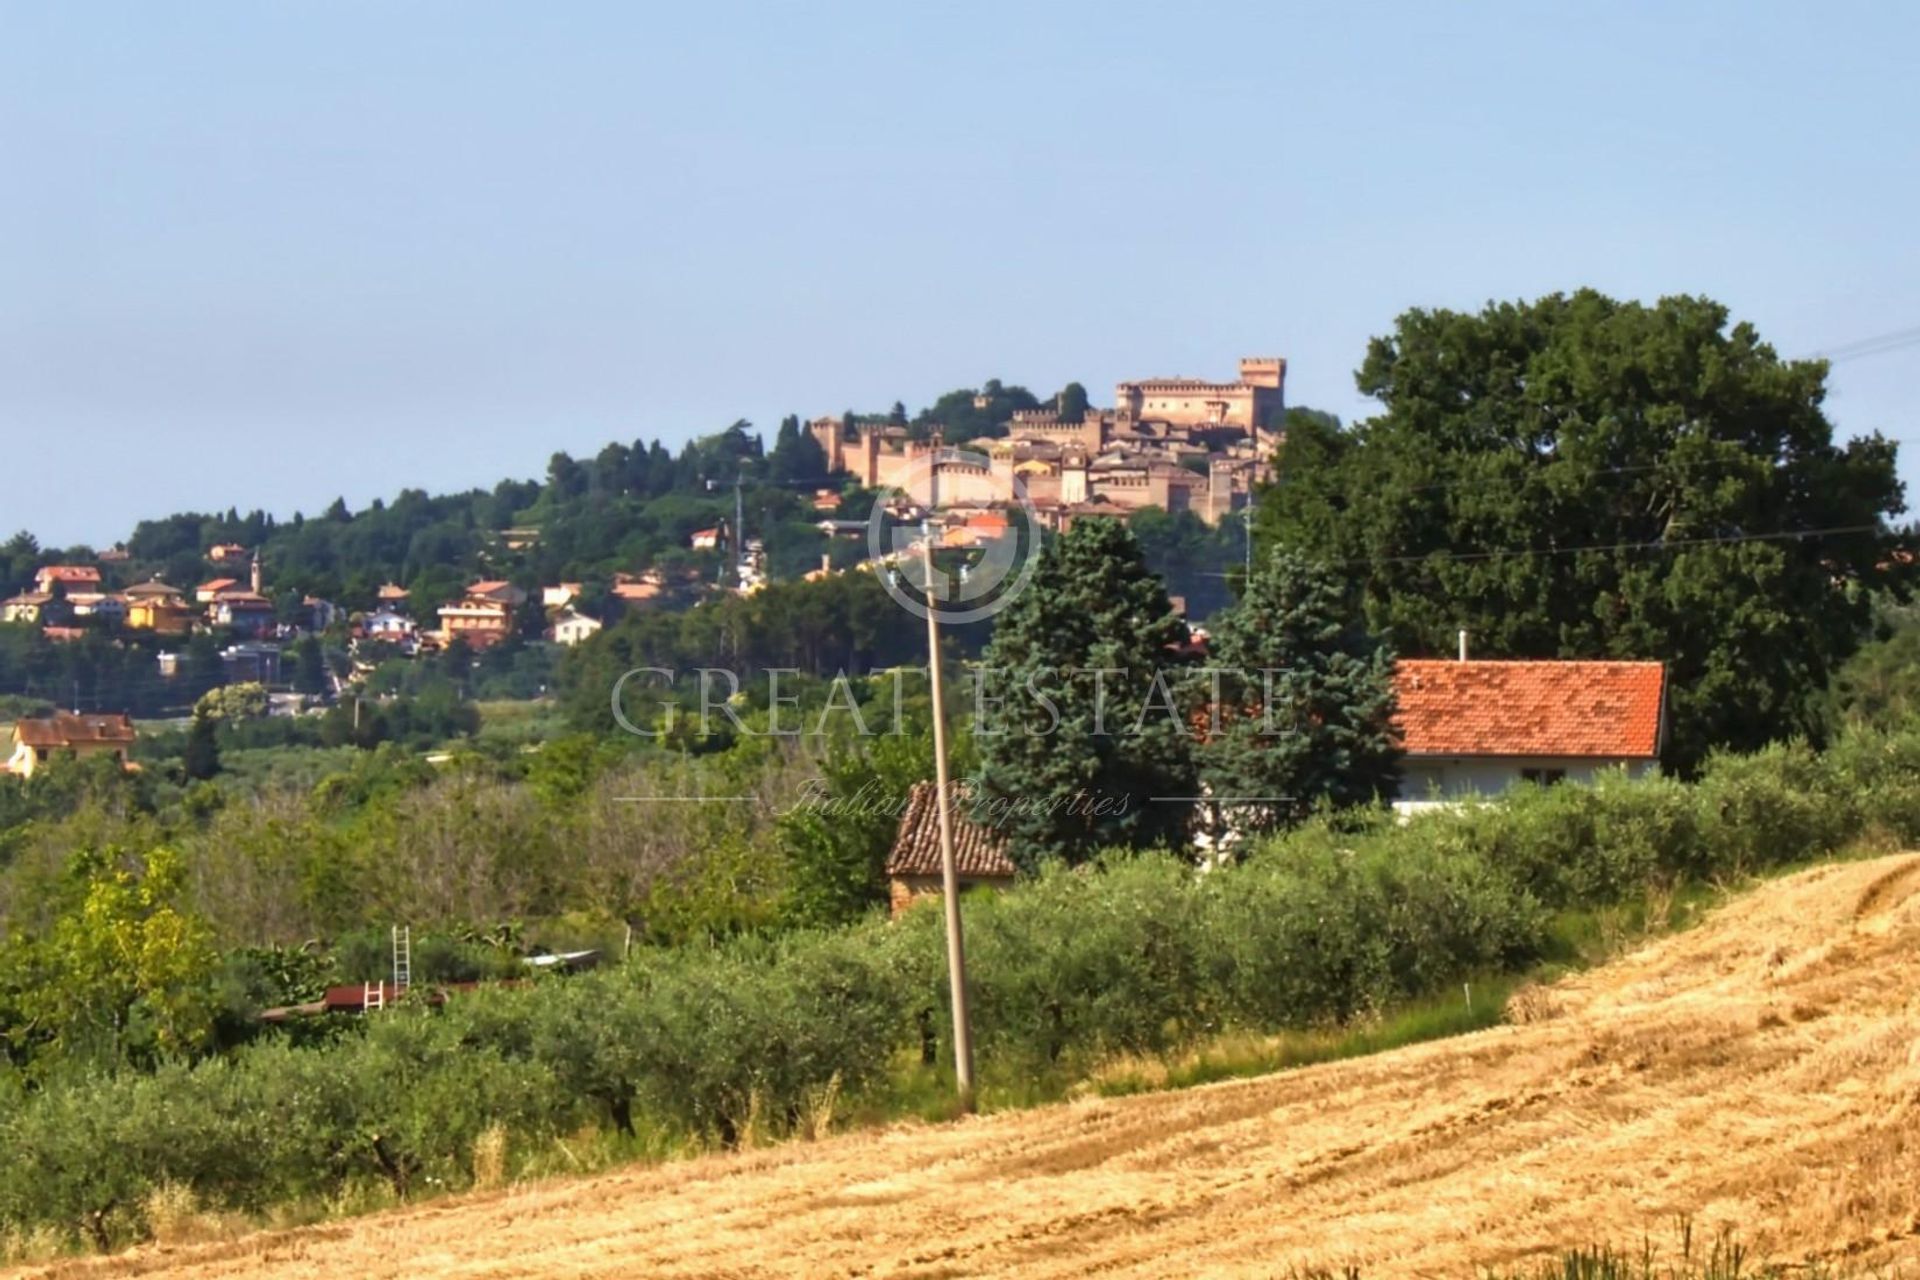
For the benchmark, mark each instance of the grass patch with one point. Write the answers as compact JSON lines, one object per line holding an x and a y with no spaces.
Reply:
{"x":520,"y":722}
{"x":1475,"y":1007}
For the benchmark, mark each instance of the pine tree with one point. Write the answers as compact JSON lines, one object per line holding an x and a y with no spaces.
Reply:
{"x":797,"y":457}
{"x":1110,"y":760}
{"x":201,"y":668}
{"x":1305,"y":705}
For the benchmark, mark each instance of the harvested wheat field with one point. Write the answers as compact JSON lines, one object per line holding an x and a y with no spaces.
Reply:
{"x":1762,"y":1070}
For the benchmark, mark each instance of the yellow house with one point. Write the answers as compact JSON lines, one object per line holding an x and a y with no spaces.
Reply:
{"x":159,"y":608}
{"x":37,"y":741}
{"x":31,"y":608}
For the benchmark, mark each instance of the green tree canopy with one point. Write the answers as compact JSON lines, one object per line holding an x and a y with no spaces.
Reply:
{"x":1086,"y":749}
{"x":1582,"y":477}
{"x":1305,"y":699}
{"x":122,"y":972}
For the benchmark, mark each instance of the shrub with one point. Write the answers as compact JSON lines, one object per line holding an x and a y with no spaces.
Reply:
{"x":1881,"y":772}
{"x":1778,"y":805}
{"x":1083,"y":962}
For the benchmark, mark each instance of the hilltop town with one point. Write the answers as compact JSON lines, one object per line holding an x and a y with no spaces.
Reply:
{"x":1187,"y":449}
{"x":1177,"y":444}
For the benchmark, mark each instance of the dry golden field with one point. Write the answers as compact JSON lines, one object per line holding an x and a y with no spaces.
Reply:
{"x":1762,"y":1070}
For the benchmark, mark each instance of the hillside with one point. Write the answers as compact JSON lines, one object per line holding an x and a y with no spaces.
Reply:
{"x":1759,"y":1071}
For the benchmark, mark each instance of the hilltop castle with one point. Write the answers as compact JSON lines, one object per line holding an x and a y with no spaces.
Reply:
{"x":1179,"y":444}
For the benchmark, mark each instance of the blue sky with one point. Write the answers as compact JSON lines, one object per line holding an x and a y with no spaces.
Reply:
{"x":260,"y":254}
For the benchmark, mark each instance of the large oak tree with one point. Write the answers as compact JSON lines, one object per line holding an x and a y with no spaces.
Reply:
{"x":1583,"y":477}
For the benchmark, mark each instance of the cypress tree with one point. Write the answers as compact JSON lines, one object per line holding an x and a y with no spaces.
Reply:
{"x":202,"y":759}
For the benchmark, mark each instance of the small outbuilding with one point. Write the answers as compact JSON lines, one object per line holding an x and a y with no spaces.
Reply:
{"x":913,"y":868}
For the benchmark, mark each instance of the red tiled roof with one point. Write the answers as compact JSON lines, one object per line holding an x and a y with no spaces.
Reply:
{"x":67,"y":573}
{"x":978,"y":851}
{"x":1543,"y":708}
{"x":218,"y":584}
{"x":67,"y":730}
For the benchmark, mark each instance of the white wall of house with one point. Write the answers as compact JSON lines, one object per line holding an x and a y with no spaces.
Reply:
{"x":1429,"y":780}
{"x":574,"y":629}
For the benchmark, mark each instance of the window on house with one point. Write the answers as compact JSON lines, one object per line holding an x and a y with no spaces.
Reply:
{"x":1544,"y":777}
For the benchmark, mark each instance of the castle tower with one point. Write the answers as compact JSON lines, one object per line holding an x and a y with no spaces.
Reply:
{"x":1073,"y":477}
{"x":827,"y":434}
{"x":254,"y":576}
{"x":1261,"y":371}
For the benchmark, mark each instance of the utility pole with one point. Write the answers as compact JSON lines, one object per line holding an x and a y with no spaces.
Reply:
{"x":739,"y":537}
{"x":1253,"y":488}
{"x":949,"y":869}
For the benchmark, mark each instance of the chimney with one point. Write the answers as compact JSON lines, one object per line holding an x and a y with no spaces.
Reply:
{"x":1463,"y":644}
{"x":826,"y":562}
{"x":255,"y":576}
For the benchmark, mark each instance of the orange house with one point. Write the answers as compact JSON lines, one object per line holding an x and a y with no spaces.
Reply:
{"x":37,"y":741}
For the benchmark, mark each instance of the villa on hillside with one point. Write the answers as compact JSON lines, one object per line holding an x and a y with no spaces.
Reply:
{"x":68,"y":577}
{"x":36,"y":608}
{"x":158,"y":607}
{"x":37,"y":741}
{"x":571,"y":627}
{"x":483,"y":616}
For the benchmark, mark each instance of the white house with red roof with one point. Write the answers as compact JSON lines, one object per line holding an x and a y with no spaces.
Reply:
{"x":211,"y":590}
{"x":1475,"y":728}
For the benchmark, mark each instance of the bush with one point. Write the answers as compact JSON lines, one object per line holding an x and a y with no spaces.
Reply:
{"x":1083,"y":961}
{"x":1881,"y":771}
{"x":1781,"y":804}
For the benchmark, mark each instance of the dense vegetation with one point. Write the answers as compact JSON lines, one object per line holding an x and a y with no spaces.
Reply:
{"x":1330,"y":923}
{"x":1580,"y":477}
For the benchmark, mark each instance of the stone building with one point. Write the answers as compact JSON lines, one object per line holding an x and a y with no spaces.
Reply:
{"x":914,"y":867}
{"x":1178,"y":444}
{"x":1254,"y":402}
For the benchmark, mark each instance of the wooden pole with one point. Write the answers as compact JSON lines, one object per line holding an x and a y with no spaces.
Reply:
{"x":949,"y":869}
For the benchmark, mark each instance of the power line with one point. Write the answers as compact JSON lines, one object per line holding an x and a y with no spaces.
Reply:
{"x":1653,"y":544}
{"x":1879,"y":344}
{"x":1785,"y":535}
